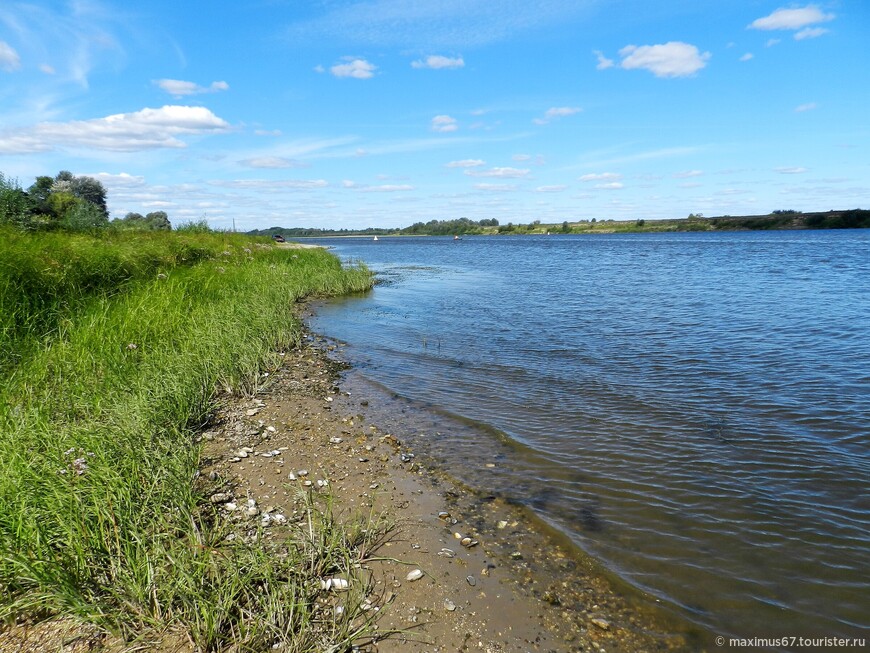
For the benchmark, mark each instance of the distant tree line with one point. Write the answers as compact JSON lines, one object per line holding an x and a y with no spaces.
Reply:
{"x":457,"y":227}
{"x":67,"y":201}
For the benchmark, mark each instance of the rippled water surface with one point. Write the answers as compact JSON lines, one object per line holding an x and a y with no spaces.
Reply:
{"x":692,"y":409}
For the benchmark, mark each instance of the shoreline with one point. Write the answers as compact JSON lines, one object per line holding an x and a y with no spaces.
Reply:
{"x":518,"y":589}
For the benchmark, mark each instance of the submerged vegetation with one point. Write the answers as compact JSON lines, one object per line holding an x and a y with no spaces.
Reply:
{"x":112,"y":348}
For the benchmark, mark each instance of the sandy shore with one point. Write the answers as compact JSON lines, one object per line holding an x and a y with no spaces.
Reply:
{"x":516,"y":589}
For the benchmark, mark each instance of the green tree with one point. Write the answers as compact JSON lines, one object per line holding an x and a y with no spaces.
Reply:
{"x":90,"y":190}
{"x":158,"y":221}
{"x":14,"y":203}
{"x":84,"y":216}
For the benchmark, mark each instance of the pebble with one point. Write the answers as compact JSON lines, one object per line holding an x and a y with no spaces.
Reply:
{"x":252,"y":412}
{"x":502,"y":525}
{"x":447,"y":553}
{"x":516,"y":555}
{"x":467,"y":542}
{"x":302,"y":472}
{"x":230,"y":506}
{"x":449,"y":605}
{"x":417,"y":574}
{"x":334,"y":584}
{"x":603,"y":624}
{"x":220,"y":497}
{"x":335,"y":440}
{"x":471,"y":580}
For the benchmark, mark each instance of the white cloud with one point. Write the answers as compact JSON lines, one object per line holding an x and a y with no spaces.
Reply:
{"x":271,"y":184}
{"x":503,"y":173}
{"x":9,"y":59}
{"x":601,"y":176}
{"x":791,"y":171}
{"x":688,"y":173}
{"x":771,"y":42}
{"x":178,"y":88}
{"x":495,"y":187}
{"x":809,"y":106}
{"x":551,"y":189}
{"x":48,"y":70}
{"x":271,"y":162}
{"x":556,"y":112}
{"x":386,"y":188}
{"x":347,"y":183}
{"x":267,"y":132}
{"x":122,"y":132}
{"x":747,"y":56}
{"x":672,"y":59}
{"x":355,"y":68}
{"x":794,"y":18}
{"x":437,"y":61}
{"x":603,"y":62}
{"x":810,"y":33}
{"x":120,"y":180}
{"x":466,"y":163}
{"x":444,"y":124}
{"x":614,"y":185}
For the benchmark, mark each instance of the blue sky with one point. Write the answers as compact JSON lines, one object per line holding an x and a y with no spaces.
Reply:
{"x":344,"y":113}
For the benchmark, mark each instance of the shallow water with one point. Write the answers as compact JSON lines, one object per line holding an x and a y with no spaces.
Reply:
{"x":692,"y":409}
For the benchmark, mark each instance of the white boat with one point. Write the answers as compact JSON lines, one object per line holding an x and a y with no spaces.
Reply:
{"x":375,"y":238}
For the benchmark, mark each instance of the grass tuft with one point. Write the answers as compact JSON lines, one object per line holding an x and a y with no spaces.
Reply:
{"x":111,"y":350}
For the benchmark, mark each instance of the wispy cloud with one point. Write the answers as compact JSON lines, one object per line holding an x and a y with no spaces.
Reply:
{"x":672,"y":59}
{"x":603,"y":62}
{"x":810,"y":33}
{"x":688,"y":173}
{"x":271,"y":184}
{"x":503,"y":173}
{"x":466,"y":163}
{"x":613,"y":185}
{"x":747,"y":56}
{"x":68,"y":38}
{"x":354,"y":68}
{"x":385,"y":188}
{"x":274,"y":162}
{"x":495,"y":187}
{"x":791,"y":170}
{"x":555,"y":113}
{"x":809,"y":106}
{"x":792,"y":18}
{"x":437,"y":62}
{"x":123,"y":132}
{"x":9,"y":59}
{"x":444,"y":24}
{"x":178,"y":88}
{"x":557,"y":188}
{"x":444,"y":123}
{"x":601,"y":176}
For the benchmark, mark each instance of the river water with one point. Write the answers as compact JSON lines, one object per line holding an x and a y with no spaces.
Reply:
{"x":691,"y":409}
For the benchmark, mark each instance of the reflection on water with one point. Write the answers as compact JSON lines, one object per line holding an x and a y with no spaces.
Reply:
{"x":693,"y":409}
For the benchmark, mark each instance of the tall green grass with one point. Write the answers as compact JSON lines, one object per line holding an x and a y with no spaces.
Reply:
{"x":113,"y":349}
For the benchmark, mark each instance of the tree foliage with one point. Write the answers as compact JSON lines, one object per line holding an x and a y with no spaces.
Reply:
{"x":67,"y":201}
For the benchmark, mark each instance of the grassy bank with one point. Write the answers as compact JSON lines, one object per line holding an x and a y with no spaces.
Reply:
{"x":112,"y":349}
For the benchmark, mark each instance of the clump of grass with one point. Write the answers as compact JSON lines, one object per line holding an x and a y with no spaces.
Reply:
{"x":116,"y":350}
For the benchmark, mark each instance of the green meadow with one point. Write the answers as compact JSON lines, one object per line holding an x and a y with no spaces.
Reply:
{"x":113,"y":347}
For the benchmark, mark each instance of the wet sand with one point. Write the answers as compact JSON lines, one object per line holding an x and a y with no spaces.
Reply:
{"x":517,"y":589}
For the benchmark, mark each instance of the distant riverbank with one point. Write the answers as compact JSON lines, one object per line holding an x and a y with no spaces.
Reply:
{"x":776,"y":221}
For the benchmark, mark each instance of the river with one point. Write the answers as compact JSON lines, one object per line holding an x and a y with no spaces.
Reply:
{"x":691,"y":409}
